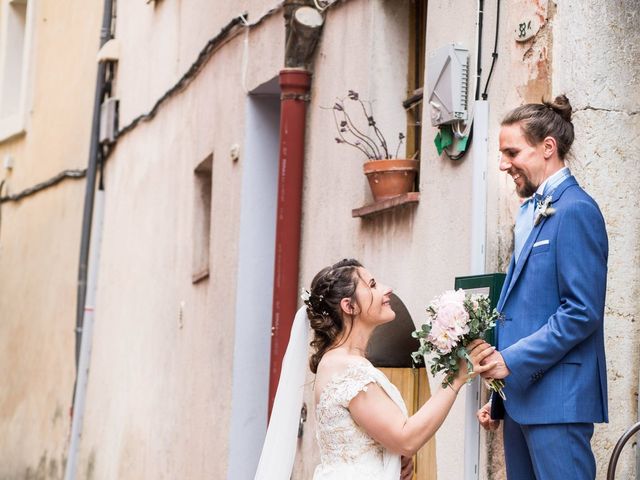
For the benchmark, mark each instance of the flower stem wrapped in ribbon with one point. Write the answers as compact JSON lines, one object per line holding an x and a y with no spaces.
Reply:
{"x":454,"y":319}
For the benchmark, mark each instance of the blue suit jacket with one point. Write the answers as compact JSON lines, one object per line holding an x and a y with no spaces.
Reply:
{"x":551,"y":335}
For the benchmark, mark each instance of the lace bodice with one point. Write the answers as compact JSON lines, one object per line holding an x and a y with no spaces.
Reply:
{"x":346,"y":451}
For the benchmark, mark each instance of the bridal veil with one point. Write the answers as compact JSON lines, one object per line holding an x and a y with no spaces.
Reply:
{"x":279,"y":449}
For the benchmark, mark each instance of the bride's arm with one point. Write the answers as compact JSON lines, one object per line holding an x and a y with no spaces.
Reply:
{"x":381,"y":418}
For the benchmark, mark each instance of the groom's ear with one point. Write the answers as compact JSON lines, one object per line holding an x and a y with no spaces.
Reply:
{"x":550,"y":147}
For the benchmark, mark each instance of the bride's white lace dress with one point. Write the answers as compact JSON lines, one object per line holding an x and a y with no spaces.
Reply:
{"x":346,"y":451}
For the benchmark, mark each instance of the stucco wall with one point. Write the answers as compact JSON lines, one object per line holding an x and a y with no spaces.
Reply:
{"x":39,"y":242}
{"x":159,"y":397}
{"x":418,"y":250}
{"x":371,"y":60}
{"x":604,"y":90}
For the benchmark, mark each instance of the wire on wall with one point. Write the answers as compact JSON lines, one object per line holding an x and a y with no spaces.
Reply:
{"x":1,"y":187}
{"x":228,"y":31}
{"x":479,"y":49}
{"x":40,"y":186}
{"x":224,"y":35}
{"x":80,"y":173}
{"x":478,"y":82}
{"x":494,"y":55}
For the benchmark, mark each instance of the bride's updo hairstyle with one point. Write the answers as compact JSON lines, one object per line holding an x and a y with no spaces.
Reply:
{"x":328,"y":288}
{"x":546,"y":119}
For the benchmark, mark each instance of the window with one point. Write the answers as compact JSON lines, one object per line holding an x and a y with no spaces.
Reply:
{"x":16,"y":23}
{"x":202,"y":219}
{"x":413,"y":103}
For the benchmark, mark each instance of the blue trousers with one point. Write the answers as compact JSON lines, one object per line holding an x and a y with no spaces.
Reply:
{"x":548,"y":452}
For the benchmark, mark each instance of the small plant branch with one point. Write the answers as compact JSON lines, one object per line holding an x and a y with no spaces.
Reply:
{"x":373,"y":124}
{"x":342,"y":139}
{"x":373,"y":145}
{"x":357,"y":133}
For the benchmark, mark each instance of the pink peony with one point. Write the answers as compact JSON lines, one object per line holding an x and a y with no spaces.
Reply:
{"x":451,"y":312}
{"x":444,"y":339}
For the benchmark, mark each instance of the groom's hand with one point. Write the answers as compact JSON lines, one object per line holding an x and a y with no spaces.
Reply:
{"x":484,"y":417}
{"x":498,"y":372}
{"x":407,"y":468}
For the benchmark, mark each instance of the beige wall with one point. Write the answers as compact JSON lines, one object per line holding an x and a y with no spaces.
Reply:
{"x":159,"y":395}
{"x":418,"y":250}
{"x":605,"y":93}
{"x":39,"y":242}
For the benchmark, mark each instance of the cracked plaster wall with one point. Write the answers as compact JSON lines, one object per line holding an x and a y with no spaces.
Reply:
{"x":596,"y":51}
{"x":589,"y":51}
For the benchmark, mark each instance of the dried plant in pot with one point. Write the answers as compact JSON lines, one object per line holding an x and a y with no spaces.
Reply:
{"x":388,"y":175}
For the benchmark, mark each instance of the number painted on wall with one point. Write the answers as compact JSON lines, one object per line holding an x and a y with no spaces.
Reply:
{"x":526,"y":29}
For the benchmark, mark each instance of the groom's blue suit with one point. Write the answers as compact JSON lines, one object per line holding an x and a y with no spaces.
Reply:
{"x":552,"y":340}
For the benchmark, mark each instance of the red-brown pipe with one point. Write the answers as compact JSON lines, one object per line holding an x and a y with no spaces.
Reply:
{"x":294,"y":84}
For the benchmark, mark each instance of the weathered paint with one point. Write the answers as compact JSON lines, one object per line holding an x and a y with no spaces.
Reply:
{"x":39,"y":242}
{"x":160,"y":381}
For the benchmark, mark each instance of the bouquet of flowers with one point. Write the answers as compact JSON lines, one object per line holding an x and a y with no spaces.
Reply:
{"x":453,"y":320}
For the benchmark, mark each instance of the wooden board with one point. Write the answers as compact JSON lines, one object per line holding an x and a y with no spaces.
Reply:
{"x":414,"y":387}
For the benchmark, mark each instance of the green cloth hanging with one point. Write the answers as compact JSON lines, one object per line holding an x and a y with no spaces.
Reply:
{"x":444,"y":138}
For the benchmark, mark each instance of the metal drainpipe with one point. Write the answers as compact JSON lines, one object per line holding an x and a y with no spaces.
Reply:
{"x":82,"y":377}
{"x":84,"y":304}
{"x":295,"y":84}
{"x":85,"y":239}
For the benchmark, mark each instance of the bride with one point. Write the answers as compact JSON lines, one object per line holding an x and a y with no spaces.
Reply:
{"x":362,"y":426}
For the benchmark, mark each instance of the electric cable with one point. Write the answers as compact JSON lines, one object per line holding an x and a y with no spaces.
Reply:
{"x":227,"y":32}
{"x":479,"y":52}
{"x":469,"y":127}
{"x":189,"y":75}
{"x":461,"y":154}
{"x":79,"y":173}
{"x":204,"y":55}
{"x":494,"y":55}
{"x":1,"y":187}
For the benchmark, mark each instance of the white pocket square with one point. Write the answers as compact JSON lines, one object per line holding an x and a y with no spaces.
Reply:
{"x":540,"y":243}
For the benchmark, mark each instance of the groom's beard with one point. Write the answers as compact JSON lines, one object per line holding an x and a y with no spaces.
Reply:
{"x":528,"y":188}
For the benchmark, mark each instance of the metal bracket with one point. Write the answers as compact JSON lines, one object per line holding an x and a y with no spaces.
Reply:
{"x":303,"y":419}
{"x":305,"y":97}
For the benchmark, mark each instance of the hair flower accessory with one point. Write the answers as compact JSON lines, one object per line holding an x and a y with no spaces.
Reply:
{"x":544,"y":210}
{"x":305,"y":295}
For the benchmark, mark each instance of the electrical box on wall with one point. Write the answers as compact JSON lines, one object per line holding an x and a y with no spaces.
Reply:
{"x":447,"y":84}
{"x":108,"y":121}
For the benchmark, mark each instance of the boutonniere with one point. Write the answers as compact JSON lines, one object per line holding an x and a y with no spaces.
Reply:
{"x":544,"y":210}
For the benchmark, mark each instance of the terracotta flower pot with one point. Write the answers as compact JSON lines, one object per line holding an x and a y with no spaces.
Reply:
{"x":390,"y":178}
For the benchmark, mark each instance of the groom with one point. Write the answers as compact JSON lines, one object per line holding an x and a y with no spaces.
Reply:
{"x":550,"y":339}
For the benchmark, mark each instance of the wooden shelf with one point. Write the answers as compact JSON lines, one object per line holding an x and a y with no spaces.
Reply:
{"x":384,"y":205}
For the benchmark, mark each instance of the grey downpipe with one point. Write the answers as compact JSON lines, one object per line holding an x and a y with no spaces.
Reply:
{"x":92,"y":168}
{"x":84,"y":309}
{"x":82,"y":376}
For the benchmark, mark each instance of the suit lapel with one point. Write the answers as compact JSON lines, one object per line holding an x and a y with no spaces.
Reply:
{"x":512,"y":278}
{"x":524,"y":255}
{"x":505,"y":286}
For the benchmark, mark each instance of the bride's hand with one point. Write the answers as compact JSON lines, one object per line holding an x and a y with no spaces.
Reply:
{"x":478,"y":350}
{"x":407,"y":468}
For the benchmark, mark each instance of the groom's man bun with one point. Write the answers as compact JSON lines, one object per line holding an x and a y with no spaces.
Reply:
{"x":546,"y":119}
